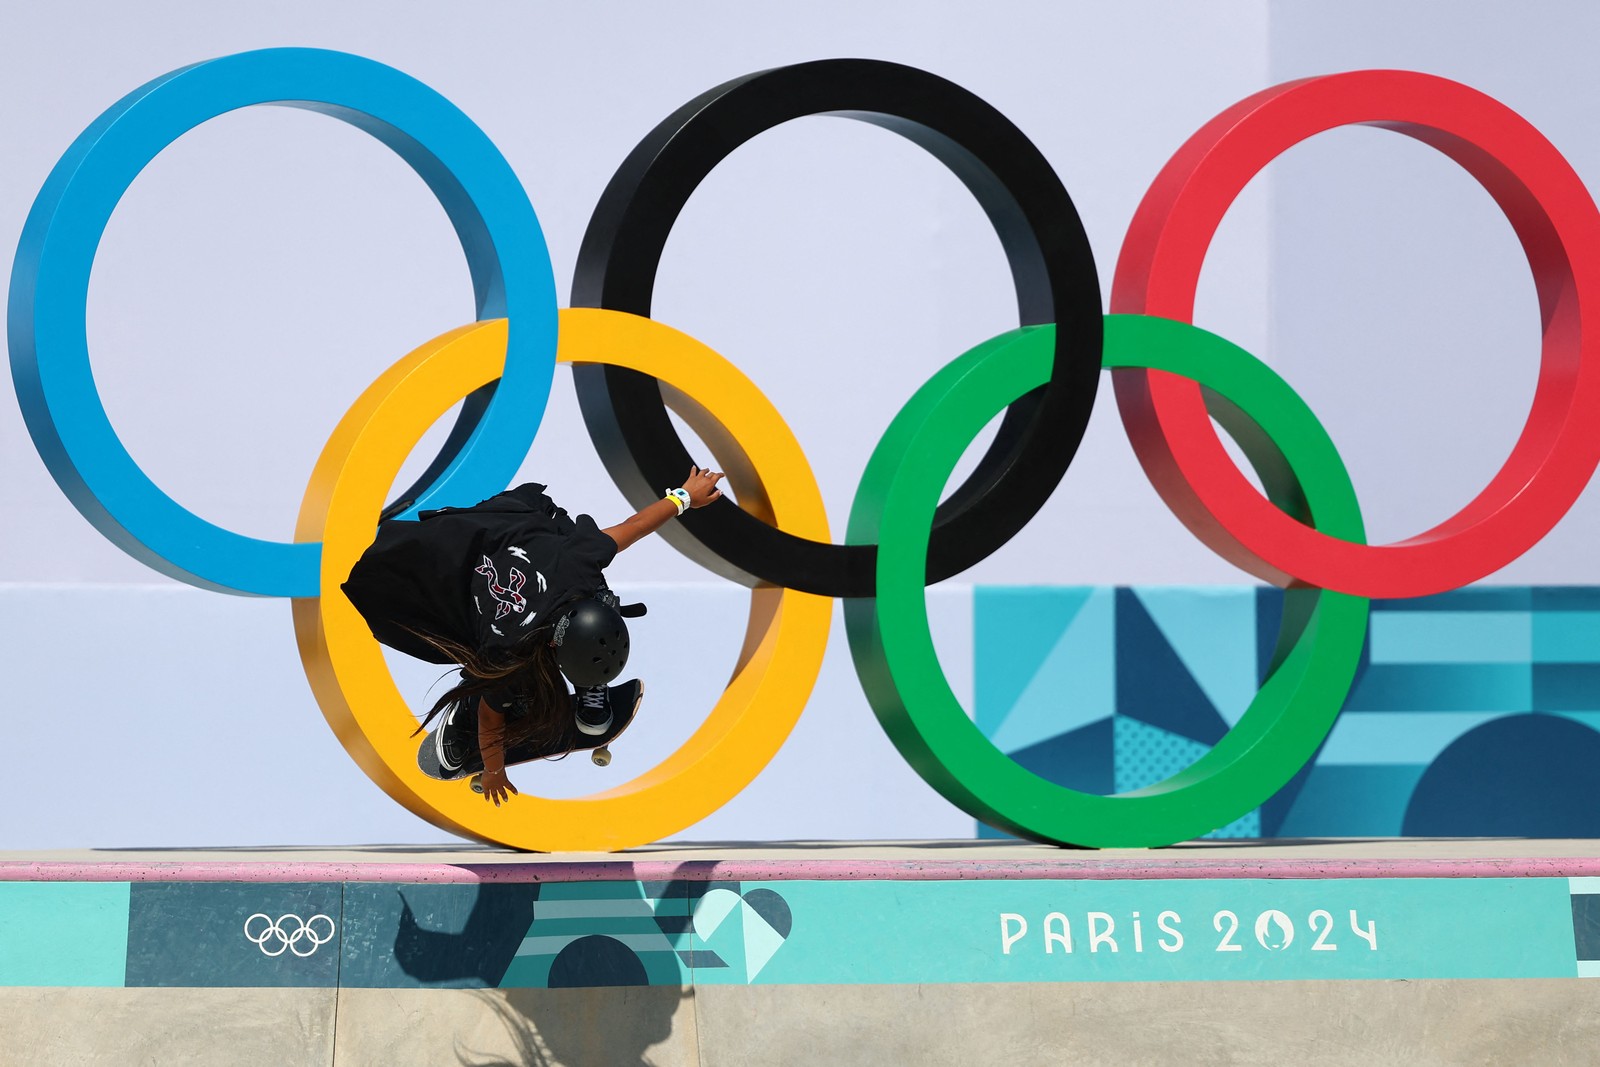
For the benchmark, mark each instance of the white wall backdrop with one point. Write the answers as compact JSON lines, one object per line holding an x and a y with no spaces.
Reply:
{"x":271,"y":263}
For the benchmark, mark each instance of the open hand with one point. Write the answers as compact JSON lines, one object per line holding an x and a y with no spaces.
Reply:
{"x":701,"y":486}
{"x":497,"y":787}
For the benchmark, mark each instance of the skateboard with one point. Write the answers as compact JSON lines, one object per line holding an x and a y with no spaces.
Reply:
{"x":570,"y":740}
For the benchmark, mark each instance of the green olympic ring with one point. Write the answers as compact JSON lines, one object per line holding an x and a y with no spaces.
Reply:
{"x":1319,"y":643}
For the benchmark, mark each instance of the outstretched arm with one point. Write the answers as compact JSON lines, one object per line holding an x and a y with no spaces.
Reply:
{"x":701,"y":486}
{"x":491,"y":743}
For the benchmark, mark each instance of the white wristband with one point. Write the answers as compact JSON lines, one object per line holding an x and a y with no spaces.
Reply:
{"x":679,"y":498}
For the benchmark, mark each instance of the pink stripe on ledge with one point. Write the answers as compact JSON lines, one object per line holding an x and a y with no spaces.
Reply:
{"x":758,"y":870}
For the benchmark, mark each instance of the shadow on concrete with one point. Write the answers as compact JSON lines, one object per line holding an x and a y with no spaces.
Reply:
{"x":577,"y":1027}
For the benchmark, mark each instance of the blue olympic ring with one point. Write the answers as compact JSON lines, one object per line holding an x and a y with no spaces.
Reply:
{"x":505,"y":248}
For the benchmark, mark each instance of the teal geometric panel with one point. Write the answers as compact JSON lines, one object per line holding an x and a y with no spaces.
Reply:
{"x":1154,"y":684}
{"x":1045,"y":663}
{"x":1202,"y":625}
{"x":1352,"y":801}
{"x":1142,"y":681}
{"x":1146,"y":754}
{"x":1417,"y":637}
{"x":600,"y":933}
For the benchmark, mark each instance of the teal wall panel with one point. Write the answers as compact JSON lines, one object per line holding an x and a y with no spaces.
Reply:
{"x":1175,"y":930}
{"x":1412,"y":637}
{"x":234,"y":934}
{"x":442,"y":936}
{"x":1486,"y":699}
{"x":63,"y":933}
{"x":834,"y":932}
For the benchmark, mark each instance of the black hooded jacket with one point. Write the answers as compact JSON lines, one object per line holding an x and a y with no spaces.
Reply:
{"x":483,"y":577}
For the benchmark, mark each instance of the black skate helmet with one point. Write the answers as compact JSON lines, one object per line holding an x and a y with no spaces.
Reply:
{"x":591,"y":643}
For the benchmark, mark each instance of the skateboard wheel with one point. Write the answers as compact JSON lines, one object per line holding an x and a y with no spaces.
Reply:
{"x":476,"y":782}
{"x":601,"y":756}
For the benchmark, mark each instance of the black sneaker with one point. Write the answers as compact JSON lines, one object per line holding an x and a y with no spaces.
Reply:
{"x":456,"y":738}
{"x":591,"y":708}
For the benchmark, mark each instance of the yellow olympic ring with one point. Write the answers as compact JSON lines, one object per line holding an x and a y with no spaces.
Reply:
{"x":784,"y":641}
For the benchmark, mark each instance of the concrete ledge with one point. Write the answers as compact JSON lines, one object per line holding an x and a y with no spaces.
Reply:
{"x":827,"y":861}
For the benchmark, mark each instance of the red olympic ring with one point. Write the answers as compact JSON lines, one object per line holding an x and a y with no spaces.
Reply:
{"x":1555,"y":219}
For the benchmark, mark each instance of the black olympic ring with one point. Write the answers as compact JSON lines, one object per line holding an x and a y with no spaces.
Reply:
{"x":288,"y":941}
{"x":1052,"y":267}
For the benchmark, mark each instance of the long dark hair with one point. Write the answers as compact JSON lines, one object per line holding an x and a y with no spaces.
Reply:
{"x":530,"y":674}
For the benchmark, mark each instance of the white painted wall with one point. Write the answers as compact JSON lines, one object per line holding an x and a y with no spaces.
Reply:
{"x":267,"y":266}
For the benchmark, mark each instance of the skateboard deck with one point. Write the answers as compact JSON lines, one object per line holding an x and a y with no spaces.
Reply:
{"x":570,"y":740}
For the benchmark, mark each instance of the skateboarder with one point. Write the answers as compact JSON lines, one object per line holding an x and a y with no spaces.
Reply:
{"x":513,"y":590}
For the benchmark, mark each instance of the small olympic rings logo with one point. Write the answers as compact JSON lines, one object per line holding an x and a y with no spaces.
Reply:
{"x":1303,"y":530}
{"x":274,"y":936}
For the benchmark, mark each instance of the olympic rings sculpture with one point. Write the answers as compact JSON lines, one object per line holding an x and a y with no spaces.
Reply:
{"x":1171,"y":379}
{"x":274,"y":931}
